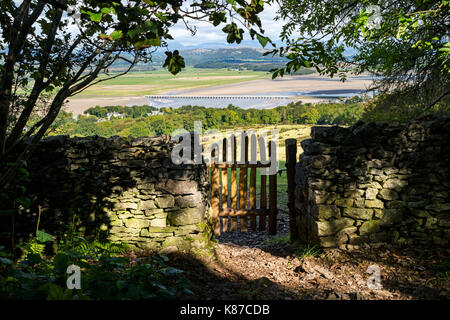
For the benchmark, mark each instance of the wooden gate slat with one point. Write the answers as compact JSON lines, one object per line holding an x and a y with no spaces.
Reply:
{"x":215,"y":199}
{"x":273,"y":204}
{"x":253,"y":197}
{"x":229,"y":212}
{"x":243,"y":197}
{"x":230,"y":201}
{"x":233,"y":220}
{"x":243,"y":187}
{"x":224,"y":187}
{"x":272,"y":199}
{"x":291,"y":158}
{"x":263,"y":203}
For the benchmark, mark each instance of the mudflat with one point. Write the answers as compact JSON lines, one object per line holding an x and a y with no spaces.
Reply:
{"x":279,"y":86}
{"x":283,"y":85}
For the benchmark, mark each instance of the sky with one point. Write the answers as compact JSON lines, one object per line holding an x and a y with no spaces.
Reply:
{"x":208,"y":36}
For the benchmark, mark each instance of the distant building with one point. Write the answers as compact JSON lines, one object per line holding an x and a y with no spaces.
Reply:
{"x":115,"y":115}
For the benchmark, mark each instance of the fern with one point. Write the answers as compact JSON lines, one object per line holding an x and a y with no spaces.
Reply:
{"x":32,"y":246}
{"x":93,"y":248}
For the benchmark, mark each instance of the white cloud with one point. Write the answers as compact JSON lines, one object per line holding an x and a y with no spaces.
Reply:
{"x":207,"y":33}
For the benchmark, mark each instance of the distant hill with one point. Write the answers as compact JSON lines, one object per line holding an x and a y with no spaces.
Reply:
{"x":231,"y":55}
{"x":218,"y":58}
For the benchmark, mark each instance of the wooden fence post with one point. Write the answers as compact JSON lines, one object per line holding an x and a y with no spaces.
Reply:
{"x":215,"y":198}
{"x":243,"y":172}
{"x":291,"y":157}
{"x":263,"y":203}
{"x":253,"y":197}
{"x":233,"y":220}
{"x":272,"y":199}
{"x":224,"y":186}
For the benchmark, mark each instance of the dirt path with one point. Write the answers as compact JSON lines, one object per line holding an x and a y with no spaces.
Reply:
{"x":254,"y":265}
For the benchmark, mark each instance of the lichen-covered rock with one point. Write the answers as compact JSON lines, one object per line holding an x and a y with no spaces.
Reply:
{"x":189,"y":200}
{"x":326,"y":228}
{"x":394,"y":183}
{"x":325,"y":211}
{"x":344,"y":202}
{"x":147,"y":204}
{"x":369,"y":227}
{"x":358,"y":213}
{"x":391,"y":180}
{"x":165,"y":202}
{"x":186,"y":216}
{"x":121,"y":189}
{"x":374,"y":204}
{"x":371,"y":193}
{"x":134,"y":223}
{"x":388,"y":194}
{"x":178,"y":187}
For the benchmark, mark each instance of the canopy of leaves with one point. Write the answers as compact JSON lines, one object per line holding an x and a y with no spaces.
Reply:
{"x":404,"y":43}
{"x":52,"y":50}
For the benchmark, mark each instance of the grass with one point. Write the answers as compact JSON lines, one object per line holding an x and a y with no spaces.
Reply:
{"x":308,"y":250}
{"x":281,"y":239}
{"x":160,"y":81}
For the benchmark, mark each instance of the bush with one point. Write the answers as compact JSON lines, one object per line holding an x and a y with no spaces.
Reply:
{"x":104,"y":274}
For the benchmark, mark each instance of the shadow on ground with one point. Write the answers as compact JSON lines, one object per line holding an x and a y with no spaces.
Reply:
{"x":254,"y":265}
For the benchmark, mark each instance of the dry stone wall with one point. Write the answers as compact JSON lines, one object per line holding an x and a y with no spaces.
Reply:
{"x":375,"y":183}
{"x":123,"y":190}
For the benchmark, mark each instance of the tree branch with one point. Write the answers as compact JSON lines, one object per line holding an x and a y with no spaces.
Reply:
{"x":38,"y":86}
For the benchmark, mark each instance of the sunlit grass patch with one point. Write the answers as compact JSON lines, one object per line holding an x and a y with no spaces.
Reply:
{"x":308,"y":250}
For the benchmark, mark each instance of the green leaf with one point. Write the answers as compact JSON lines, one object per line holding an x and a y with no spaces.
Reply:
{"x":55,"y":292}
{"x":105,"y":10}
{"x":61,"y":262}
{"x":33,"y":258}
{"x":6,"y":261}
{"x":95,"y":17}
{"x":235,"y":34}
{"x":133,"y":33}
{"x":401,"y":31}
{"x":121,"y":284}
{"x":445,"y":47}
{"x":164,"y":258}
{"x":174,"y":62}
{"x":217,"y":18}
{"x":156,"y":42}
{"x":117,"y":34}
{"x":170,"y":271}
{"x":262,"y":40}
{"x":275,"y":74}
{"x":24,"y":201}
{"x":43,"y":237}
{"x":23,"y":171}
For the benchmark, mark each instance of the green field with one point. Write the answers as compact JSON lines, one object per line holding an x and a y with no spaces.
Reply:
{"x":159,"y":81}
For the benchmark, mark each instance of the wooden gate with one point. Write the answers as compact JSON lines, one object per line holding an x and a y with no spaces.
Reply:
{"x":234,"y":196}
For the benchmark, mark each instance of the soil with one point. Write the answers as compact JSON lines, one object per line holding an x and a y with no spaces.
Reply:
{"x":254,"y":265}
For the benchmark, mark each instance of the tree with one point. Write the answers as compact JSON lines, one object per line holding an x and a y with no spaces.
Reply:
{"x":136,"y":130}
{"x":231,"y":117}
{"x":39,"y":54}
{"x":270,"y":116}
{"x":404,"y":43}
